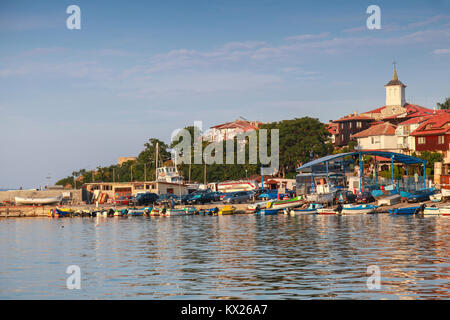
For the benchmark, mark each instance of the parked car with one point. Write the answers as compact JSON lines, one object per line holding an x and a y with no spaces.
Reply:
{"x":420,"y":195}
{"x":121,"y":201}
{"x":365,"y":197}
{"x":345,"y":197}
{"x":201,"y":197}
{"x":168,"y":198}
{"x":218,"y":196}
{"x":238,"y":197}
{"x":144,"y":199}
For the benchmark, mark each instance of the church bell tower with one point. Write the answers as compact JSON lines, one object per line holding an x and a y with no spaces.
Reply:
{"x":395,"y":91}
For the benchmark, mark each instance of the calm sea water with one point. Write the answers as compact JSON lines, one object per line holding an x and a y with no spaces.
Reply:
{"x":241,"y":256}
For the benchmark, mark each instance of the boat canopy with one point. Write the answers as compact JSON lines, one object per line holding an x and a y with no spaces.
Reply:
{"x":396,"y":157}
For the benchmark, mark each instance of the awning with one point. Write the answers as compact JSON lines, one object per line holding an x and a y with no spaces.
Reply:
{"x":398,"y":157}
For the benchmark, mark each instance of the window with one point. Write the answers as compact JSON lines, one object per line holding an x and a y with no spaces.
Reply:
{"x":421,"y":140}
{"x":441,"y":140}
{"x":359,"y":124}
{"x":350,"y":125}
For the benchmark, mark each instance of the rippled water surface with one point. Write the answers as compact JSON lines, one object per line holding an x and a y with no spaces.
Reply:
{"x":240,"y":256}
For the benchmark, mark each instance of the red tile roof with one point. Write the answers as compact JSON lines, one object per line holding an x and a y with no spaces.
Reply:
{"x":384,"y":129}
{"x":333,"y":128}
{"x":354,"y":118}
{"x":437,"y":124}
{"x":415,"y":120}
{"x":242,"y":124}
{"x":412,"y":110}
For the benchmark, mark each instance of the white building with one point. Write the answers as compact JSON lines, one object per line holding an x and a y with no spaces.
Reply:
{"x":407,"y":143}
{"x":378,"y":137}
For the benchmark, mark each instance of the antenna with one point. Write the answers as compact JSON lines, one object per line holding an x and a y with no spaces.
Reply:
{"x":243,"y":118}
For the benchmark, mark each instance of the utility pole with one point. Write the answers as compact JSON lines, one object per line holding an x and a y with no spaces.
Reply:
{"x":131,"y":170}
{"x":114,"y":175}
{"x":204,"y":175}
{"x":190,"y":172}
{"x":145,"y":172}
{"x":156,"y":161}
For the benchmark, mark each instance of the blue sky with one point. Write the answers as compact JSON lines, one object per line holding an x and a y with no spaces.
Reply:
{"x":72,"y":99}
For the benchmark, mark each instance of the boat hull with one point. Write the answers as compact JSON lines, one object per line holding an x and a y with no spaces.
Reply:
{"x":284,"y":204}
{"x":267,"y":212}
{"x":37,"y":201}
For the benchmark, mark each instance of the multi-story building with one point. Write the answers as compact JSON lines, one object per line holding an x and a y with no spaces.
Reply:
{"x":433,"y":135}
{"x":378,"y":137}
{"x":229,"y":130}
{"x":348,"y":126}
{"x":407,"y":143}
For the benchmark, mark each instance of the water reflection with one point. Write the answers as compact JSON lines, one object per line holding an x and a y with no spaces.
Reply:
{"x":241,"y":256}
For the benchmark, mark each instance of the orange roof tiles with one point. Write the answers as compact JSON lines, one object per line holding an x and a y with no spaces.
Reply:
{"x":384,"y":129}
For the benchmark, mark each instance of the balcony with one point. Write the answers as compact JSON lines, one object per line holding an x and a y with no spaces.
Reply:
{"x":402,"y":132}
{"x":402,"y":145}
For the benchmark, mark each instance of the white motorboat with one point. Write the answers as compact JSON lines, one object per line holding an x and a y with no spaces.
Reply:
{"x":38,"y":201}
{"x":175,"y":212}
{"x":436,"y":211}
{"x":358,"y":209}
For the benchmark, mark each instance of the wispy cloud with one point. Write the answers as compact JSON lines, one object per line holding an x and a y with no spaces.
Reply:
{"x":441,"y":51}
{"x":303,"y":37}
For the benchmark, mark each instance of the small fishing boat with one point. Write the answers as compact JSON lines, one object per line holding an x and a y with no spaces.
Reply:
{"x":329,"y":210}
{"x":190,"y":211}
{"x":389,"y":200}
{"x":175,"y":212}
{"x":209,"y":212}
{"x":407,"y":210}
{"x":252,"y":207}
{"x":432,"y":211}
{"x":437,"y":197}
{"x":227,"y":210}
{"x":120,"y":213}
{"x":283,"y":204}
{"x":136,"y":212}
{"x":359,"y":209}
{"x":38,"y":201}
{"x":312,"y":208}
{"x":266,"y":212}
{"x":59,"y":213}
{"x":155,"y":212}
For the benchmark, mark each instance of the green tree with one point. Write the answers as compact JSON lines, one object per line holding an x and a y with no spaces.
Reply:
{"x":445,"y":105}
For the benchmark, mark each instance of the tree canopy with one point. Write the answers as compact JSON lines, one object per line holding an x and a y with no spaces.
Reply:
{"x":300,"y":140}
{"x":444,"y":105}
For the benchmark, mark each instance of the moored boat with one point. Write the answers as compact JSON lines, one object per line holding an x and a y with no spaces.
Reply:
{"x":432,"y":211}
{"x":312,"y":208}
{"x":283,"y":204}
{"x":329,"y":210}
{"x":252,"y":207}
{"x":175,"y":212}
{"x":227,"y":210}
{"x":406,"y":210}
{"x":437,"y":197}
{"x":266,"y":212}
{"x":359,"y":209}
